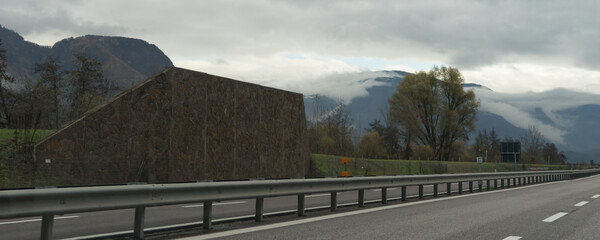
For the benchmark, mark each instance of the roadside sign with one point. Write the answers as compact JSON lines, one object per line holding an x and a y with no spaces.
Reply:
{"x":344,"y":160}
{"x":479,"y":159}
{"x":344,"y":173}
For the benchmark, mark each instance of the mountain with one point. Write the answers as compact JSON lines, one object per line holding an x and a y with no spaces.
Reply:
{"x":125,"y":61}
{"x":567,"y":118}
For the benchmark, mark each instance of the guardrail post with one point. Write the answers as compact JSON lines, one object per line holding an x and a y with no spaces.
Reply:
{"x":487,"y":184}
{"x":207,"y":218}
{"x":383,"y":195}
{"x":448,"y":189}
{"x":47,"y":227}
{"x":138,"y":223}
{"x":258,"y":216}
{"x":420,"y":191}
{"x":403,"y":193}
{"x":520,"y":183}
{"x":480,"y":185}
{"x":333,"y":201}
{"x":460,"y":187}
{"x":361,"y":198}
{"x":470,"y":186}
{"x":301,"y":211}
{"x":435,"y":190}
{"x":501,"y":182}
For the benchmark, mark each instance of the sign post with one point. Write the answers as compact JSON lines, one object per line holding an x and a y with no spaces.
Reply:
{"x":479,"y":162}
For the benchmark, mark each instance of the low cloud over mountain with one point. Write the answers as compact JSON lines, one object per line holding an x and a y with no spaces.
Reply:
{"x":567,"y":118}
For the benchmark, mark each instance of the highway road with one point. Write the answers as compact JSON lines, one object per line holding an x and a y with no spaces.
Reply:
{"x":97,"y":224}
{"x":555,"y":210}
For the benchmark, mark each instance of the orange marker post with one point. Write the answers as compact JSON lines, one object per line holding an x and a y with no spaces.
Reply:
{"x":345,"y":162}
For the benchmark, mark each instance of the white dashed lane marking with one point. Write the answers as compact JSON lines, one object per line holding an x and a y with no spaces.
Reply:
{"x":214,"y":204}
{"x":512,"y":238}
{"x":554,"y":217}
{"x":36,"y":220}
{"x":320,"y":195}
{"x":596,"y":196}
{"x":579,"y":204}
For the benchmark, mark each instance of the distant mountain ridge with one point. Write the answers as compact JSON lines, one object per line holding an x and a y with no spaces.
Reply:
{"x":125,"y":61}
{"x":567,"y":118}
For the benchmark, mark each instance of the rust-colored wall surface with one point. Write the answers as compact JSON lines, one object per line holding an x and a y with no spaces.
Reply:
{"x":178,"y":126}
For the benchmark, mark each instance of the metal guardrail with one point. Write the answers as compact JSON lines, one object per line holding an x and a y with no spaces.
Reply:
{"x":52,"y":201}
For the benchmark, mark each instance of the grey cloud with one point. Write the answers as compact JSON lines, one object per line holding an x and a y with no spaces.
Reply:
{"x":467,"y":33}
{"x":40,"y":19}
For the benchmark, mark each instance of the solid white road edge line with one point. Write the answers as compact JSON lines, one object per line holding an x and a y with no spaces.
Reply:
{"x":555,"y":217}
{"x":36,"y":220}
{"x":579,"y":204}
{"x":512,"y":238}
{"x":352,"y":213}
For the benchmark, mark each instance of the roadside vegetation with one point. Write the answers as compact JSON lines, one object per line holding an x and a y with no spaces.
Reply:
{"x":329,"y":165}
{"x":31,"y":108}
{"x":429,"y":118}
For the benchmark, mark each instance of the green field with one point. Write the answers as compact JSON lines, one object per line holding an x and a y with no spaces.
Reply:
{"x":328,"y":165}
{"x":8,"y":134}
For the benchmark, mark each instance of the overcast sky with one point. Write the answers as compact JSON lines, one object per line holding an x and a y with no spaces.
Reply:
{"x":508,"y":46}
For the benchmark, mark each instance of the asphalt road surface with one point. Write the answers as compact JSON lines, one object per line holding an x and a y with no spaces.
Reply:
{"x":555,"y":210}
